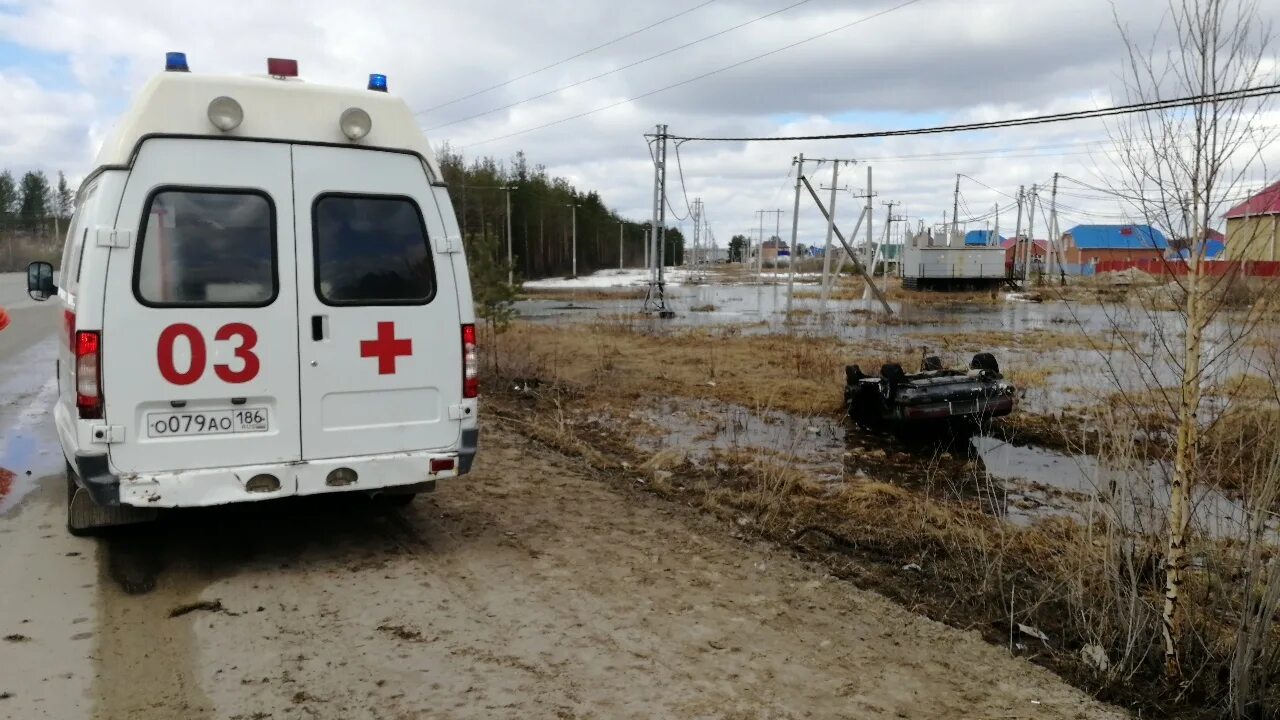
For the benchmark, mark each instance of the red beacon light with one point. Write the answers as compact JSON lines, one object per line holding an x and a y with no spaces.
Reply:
{"x":282,"y":67}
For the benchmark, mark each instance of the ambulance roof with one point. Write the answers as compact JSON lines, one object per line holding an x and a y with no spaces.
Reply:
{"x":177,"y":103}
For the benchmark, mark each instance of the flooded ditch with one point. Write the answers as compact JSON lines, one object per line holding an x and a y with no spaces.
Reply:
{"x":1115,"y":349}
{"x":1021,"y":483}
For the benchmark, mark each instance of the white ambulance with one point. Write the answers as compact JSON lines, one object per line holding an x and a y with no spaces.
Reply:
{"x":264,"y":295}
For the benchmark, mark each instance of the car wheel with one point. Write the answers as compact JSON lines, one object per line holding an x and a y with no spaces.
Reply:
{"x":867,"y":409}
{"x":984,"y":361}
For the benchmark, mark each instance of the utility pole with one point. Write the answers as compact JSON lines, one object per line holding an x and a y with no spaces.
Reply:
{"x":1054,"y":236}
{"x":795,"y":233}
{"x":777,"y":228}
{"x":847,"y":247}
{"x":868,"y":250}
{"x":621,"y":224}
{"x":993,"y":238}
{"x":853,"y":234}
{"x":760,"y":246}
{"x":511,"y":270}
{"x":1031,"y":229}
{"x":646,"y":251}
{"x":865,"y":216}
{"x":826,"y":249}
{"x":888,"y":239}
{"x":655,"y":299}
{"x":871,"y":193}
{"x":574,"y":250}
{"x":696,"y":213}
{"x":1018,"y":243}
{"x":878,"y":255}
{"x":955,"y":212}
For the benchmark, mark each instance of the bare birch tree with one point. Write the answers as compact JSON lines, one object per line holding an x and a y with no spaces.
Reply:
{"x":1180,"y":169}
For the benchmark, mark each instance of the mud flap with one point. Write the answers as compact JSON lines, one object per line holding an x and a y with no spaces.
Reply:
{"x":84,"y":516}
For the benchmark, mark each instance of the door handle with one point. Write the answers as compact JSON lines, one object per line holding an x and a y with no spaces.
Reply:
{"x":319,"y":327}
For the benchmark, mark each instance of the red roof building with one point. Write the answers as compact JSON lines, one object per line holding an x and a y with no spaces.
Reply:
{"x":1266,"y":202}
{"x":1253,"y":227}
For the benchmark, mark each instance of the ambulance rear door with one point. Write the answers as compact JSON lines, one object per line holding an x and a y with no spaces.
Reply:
{"x":381,"y":349}
{"x":200,"y":326}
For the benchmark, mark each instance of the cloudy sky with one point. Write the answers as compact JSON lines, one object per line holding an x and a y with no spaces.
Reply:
{"x":68,"y":69}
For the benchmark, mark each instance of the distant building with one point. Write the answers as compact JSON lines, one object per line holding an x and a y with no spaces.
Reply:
{"x":1086,"y":245}
{"x":770,"y":249}
{"x":1013,"y":247}
{"x":925,"y":265}
{"x":981,"y":237}
{"x":1215,"y":245}
{"x":1253,"y":227}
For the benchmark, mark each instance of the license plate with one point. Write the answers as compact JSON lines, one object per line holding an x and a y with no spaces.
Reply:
{"x":965,"y":407}
{"x":211,"y":422}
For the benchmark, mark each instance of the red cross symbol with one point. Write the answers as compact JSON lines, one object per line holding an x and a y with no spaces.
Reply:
{"x":386,"y":348}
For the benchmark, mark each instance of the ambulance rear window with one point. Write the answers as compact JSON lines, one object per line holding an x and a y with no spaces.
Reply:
{"x":203,"y":248}
{"x":371,"y":250}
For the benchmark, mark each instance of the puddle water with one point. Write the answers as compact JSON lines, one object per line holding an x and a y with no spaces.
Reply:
{"x":29,"y":446}
{"x":701,"y":429}
{"x":1038,"y":483}
{"x":1022,"y":483}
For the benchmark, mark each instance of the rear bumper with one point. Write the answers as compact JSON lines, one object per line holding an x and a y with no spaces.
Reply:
{"x":220,"y":486}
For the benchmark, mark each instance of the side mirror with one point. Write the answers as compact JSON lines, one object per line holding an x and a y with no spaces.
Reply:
{"x":40,"y":281}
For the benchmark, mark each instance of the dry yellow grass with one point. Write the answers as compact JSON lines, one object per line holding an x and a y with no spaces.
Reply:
{"x":797,"y":373}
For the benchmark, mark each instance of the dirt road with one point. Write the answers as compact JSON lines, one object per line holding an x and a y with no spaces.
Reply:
{"x":525,"y":590}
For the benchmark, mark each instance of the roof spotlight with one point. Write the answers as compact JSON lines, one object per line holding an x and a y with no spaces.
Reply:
{"x":355,"y":123}
{"x":225,"y":113}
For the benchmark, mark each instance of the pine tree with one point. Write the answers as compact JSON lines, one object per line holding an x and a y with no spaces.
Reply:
{"x":34,"y":204}
{"x":64,"y":198}
{"x":494,"y":297}
{"x":8,"y":197}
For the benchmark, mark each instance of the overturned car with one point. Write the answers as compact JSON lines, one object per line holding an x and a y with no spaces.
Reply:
{"x":895,"y":400}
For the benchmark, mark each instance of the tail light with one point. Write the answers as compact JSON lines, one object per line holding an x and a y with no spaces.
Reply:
{"x":470,"y":363}
{"x":89,"y":374}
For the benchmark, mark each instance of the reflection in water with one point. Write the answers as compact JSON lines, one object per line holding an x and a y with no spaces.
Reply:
{"x":1042,"y":482}
{"x":28,"y":443}
{"x":1022,"y":483}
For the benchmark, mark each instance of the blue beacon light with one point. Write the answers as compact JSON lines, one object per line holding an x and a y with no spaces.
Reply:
{"x":378,"y":82}
{"x":176,"y":62}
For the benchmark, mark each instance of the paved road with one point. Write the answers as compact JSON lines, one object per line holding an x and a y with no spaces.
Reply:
{"x":13,"y":291}
{"x":526,"y":590}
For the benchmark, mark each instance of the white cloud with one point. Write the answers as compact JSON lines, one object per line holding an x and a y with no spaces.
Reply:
{"x":931,"y":62}
{"x":42,"y":128}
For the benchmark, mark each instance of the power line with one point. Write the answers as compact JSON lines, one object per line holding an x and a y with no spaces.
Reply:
{"x":696,"y":78}
{"x":683,"y":188}
{"x":1240,"y":94}
{"x":588,"y":51}
{"x":1001,"y":192}
{"x":628,"y":66}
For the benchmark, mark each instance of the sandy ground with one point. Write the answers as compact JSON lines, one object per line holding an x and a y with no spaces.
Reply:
{"x":524,"y":590}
